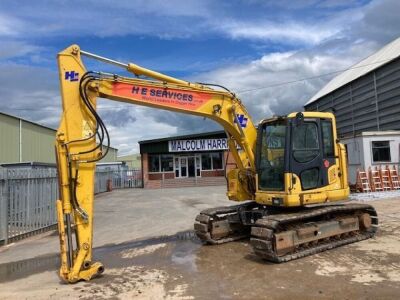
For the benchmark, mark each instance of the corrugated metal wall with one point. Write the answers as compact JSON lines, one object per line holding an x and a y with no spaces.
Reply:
{"x":112,"y":156}
{"x":9,"y":139}
{"x":371,"y":102}
{"x":37,"y":142}
{"x":133,"y":161}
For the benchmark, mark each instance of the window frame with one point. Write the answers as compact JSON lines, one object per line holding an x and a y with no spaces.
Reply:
{"x":173,"y":163}
{"x":201,"y":162}
{"x":372,"y":152}
{"x":324,"y":145}
{"x":221,"y":154}
{"x":316,"y":183}
{"x":211,"y":159}
{"x":159,"y":163}
{"x":294,"y":149}
{"x":209,"y":154}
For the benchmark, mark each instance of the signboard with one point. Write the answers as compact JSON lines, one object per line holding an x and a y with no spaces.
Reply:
{"x":198,"y":145}
{"x":168,"y":97}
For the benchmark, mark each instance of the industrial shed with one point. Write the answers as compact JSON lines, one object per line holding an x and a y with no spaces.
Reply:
{"x":366,"y":97}
{"x":25,"y":141}
{"x":133,"y":161}
{"x":366,"y":102}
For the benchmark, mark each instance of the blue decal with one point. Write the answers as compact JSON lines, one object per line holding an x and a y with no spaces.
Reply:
{"x":242,"y":120}
{"x":71,"y":76}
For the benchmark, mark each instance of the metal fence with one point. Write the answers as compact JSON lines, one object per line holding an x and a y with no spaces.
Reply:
{"x":109,"y":179}
{"x":28,"y":196}
{"x":27,"y":201}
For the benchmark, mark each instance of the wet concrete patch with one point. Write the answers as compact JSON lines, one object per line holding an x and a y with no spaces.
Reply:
{"x":179,"y":267}
{"x":113,"y":255}
{"x":144,"y":268}
{"x":24,"y":268}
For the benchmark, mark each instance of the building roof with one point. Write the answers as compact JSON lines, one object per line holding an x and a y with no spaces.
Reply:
{"x":129,"y":157}
{"x":25,"y":120}
{"x":181,"y":137}
{"x":380,"y":133}
{"x":36,"y":124}
{"x":388,"y":53}
{"x":383,"y":133}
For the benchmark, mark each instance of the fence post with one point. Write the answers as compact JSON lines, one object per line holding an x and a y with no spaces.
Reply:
{"x":4,"y":207}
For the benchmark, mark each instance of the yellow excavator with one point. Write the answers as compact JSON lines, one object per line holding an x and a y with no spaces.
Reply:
{"x":291,"y":175}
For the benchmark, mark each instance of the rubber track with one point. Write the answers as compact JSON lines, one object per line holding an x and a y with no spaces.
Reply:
{"x":273,"y":222}
{"x":208,"y":216}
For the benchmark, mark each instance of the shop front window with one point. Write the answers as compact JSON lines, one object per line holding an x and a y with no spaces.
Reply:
{"x":167,"y":163}
{"x":206,"y":161}
{"x":212,"y":161}
{"x":216,"y":160}
{"x":154,"y":163}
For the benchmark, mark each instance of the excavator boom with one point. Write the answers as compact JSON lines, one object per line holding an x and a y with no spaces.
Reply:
{"x":292,"y":162}
{"x":81,"y":126}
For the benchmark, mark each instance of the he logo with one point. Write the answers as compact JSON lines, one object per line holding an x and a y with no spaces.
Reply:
{"x":71,"y":76}
{"x":242,"y":120}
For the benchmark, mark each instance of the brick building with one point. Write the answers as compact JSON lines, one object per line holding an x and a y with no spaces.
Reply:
{"x":189,"y":160}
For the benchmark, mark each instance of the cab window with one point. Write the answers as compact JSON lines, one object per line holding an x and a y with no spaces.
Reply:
{"x":305,"y":145}
{"x":327,"y":138}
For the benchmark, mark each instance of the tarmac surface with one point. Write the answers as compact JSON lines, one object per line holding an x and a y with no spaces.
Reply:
{"x":145,"y":240}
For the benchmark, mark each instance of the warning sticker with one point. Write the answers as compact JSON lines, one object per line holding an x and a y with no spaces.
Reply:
{"x":161,"y":96}
{"x":86,"y":129}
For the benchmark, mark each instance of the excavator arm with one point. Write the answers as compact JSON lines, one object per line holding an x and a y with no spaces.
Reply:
{"x":82,"y":135}
{"x":299,"y":163}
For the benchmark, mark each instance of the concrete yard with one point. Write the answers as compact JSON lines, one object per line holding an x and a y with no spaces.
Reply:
{"x":145,"y":241}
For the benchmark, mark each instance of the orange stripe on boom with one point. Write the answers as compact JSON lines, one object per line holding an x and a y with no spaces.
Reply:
{"x":169,"y":97}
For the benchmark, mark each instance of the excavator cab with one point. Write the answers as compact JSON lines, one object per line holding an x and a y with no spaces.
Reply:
{"x":297,"y":160}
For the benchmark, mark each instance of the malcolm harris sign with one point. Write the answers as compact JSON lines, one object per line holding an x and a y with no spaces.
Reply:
{"x":198,"y":145}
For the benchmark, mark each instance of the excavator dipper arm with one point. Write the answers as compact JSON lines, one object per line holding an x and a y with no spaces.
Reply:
{"x":82,"y":134}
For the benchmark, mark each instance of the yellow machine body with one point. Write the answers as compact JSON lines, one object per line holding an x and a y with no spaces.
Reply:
{"x":336,"y":189}
{"x":77,"y":150}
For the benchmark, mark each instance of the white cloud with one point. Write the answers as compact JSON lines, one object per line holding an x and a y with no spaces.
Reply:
{"x":29,"y":92}
{"x":137,"y":125}
{"x":334,"y":43}
{"x":25,"y":19}
{"x":32,"y":93}
{"x":14,"y":48}
{"x":9,"y":26}
{"x":165,"y":19}
{"x":274,"y":77}
{"x":380,"y":22}
{"x":286,"y":32}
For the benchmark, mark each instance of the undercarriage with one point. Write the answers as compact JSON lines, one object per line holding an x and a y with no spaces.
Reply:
{"x":281,"y":234}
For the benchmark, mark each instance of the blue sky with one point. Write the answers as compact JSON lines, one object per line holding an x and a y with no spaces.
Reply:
{"x":240,"y":44}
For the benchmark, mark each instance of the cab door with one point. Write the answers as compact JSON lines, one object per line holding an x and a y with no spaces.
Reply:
{"x":311,"y":151}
